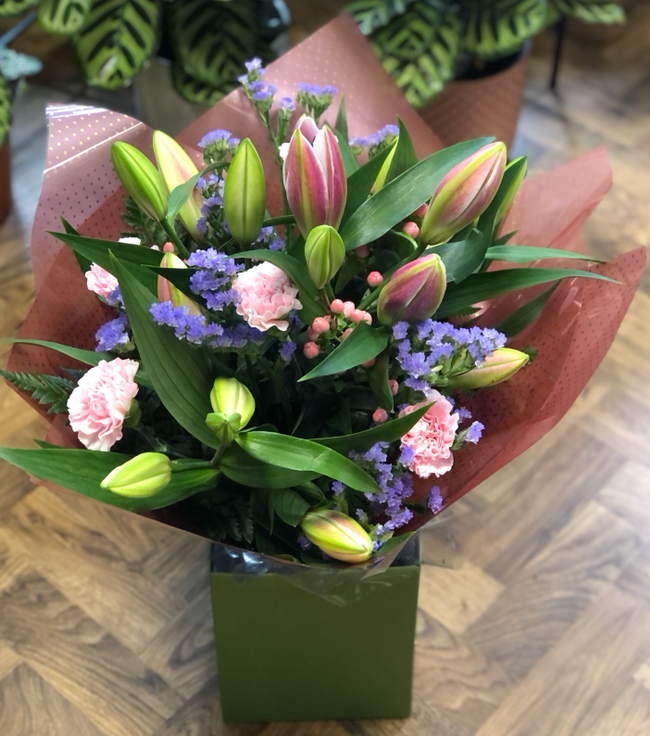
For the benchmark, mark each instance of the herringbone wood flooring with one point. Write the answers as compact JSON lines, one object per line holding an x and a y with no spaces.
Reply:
{"x":543,"y":630}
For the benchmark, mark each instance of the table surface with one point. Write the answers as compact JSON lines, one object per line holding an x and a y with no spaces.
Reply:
{"x":542,"y":628}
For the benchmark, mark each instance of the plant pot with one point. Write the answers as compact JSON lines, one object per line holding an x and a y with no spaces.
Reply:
{"x":483,"y":103}
{"x":5,"y":180}
{"x":305,"y":644}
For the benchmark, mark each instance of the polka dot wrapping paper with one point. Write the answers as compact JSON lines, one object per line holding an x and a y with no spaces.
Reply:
{"x":572,"y":336}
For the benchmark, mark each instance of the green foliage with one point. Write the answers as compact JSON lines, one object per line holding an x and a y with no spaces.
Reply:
{"x":197,"y":92}
{"x":63,"y":16}
{"x":525,"y":315}
{"x":141,"y":225}
{"x":118,"y":37}
{"x":592,"y":11}
{"x":5,"y":109}
{"x":373,"y":14}
{"x":52,"y":390}
{"x":15,"y":7}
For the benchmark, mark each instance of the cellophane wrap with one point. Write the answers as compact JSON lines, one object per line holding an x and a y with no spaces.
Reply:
{"x":572,"y":336}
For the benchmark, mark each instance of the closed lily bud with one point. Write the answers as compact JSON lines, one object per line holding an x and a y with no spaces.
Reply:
{"x":463,"y":194}
{"x":244,"y":194}
{"x":229,"y":396}
{"x":338,"y":535}
{"x":224,"y":426}
{"x":167,"y":292}
{"x":176,"y":167}
{"x":499,"y":367}
{"x":413,"y":292}
{"x":144,"y":475}
{"x":324,"y":254}
{"x":519,"y":166}
{"x":141,"y":179}
{"x":314,"y":177}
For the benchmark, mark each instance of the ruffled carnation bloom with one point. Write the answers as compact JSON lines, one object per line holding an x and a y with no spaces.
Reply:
{"x":431,"y":437}
{"x":101,"y":281}
{"x":100,"y":402}
{"x":266,"y":297}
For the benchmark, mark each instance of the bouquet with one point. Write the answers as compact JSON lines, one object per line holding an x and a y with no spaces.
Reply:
{"x":315,"y":375}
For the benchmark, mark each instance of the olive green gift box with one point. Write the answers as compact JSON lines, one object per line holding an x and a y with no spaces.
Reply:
{"x":299,"y":644}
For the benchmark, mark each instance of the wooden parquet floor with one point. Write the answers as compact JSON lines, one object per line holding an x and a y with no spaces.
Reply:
{"x":542,"y":628}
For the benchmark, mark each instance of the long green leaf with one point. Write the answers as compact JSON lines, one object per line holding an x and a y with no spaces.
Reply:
{"x":482,"y":286}
{"x":362,"y":344}
{"x":350,"y":163}
{"x":397,"y":200}
{"x":360,"y":184}
{"x":289,"y":505}
{"x":525,"y":315}
{"x":84,"y":263}
{"x":84,"y":470}
{"x":463,"y":257}
{"x":527,"y":253}
{"x":387,"y":432}
{"x":379,"y":385}
{"x":247,"y":471}
{"x":342,"y":119}
{"x":299,"y":454}
{"x":180,"y":373}
{"x":179,"y":195}
{"x":404,"y":157}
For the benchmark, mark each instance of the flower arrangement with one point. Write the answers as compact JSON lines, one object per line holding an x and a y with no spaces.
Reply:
{"x":316,"y":384}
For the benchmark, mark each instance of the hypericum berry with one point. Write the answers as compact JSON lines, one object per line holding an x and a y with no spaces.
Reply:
{"x":369,"y":363}
{"x":348,"y":309}
{"x":374,"y":278}
{"x":320,"y":325}
{"x":411,"y":229}
{"x":421,"y":210}
{"x":337,"y":306}
{"x":380,"y":415}
{"x":310,"y":350}
{"x":362,"y":251}
{"x":393,"y":385}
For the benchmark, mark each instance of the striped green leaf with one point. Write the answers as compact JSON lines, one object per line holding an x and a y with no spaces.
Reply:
{"x":63,"y":16}
{"x":5,"y":109}
{"x":592,"y":11}
{"x":197,"y":92}
{"x":118,"y":37}
{"x":15,"y":7}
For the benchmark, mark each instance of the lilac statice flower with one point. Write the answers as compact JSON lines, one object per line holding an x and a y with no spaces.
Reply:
{"x":464,"y":414}
{"x":213,"y":278}
{"x":255,"y":65}
{"x":337,"y":487}
{"x":286,"y":103}
{"x":113,"y":335}
{"x":287,"y":349}
{"x":276,"y":244}
{"x":474,"y":432}
{"x":303,"y":542}
{"x":357,"y":145}
{"x":435,"y":499}
{"x":214,"y":137}
{"x":314,"y":99}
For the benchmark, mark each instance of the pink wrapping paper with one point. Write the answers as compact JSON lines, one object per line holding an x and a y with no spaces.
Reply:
{"x":573,"y":335}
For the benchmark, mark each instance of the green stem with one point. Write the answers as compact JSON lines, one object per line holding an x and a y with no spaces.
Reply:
{"x":217,"y":456}
{"x":169,"y":229}
{"x":178,"y":465}
{"x":281,"y":220}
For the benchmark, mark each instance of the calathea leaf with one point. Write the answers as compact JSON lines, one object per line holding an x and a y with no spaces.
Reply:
{"x":63,"y":16}
{"x":116,"y":40}
{"x":5,"y":109}
{"x":592,"y":11}
{"x":198,"y":92}
{"x":373,"y":14}
{"x":15,"y":7}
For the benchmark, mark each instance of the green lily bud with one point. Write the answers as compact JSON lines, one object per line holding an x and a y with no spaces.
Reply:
{"x":225,"y":427}
{"x":142,"y":476}
{"x":229,"y":396}
{"x":141,"y":179}
{"x":338,"y":535}
{"x":324,"y":254}
{"x":499,"y":367}
{"x":244,"y":194}
{"x":514,"y":174}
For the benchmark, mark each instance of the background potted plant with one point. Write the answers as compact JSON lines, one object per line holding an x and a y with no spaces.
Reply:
{"x":467,"y":54}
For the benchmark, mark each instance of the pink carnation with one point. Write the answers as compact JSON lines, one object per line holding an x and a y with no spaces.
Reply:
{"x":100,"y":402}
{"x":101,"y":281}
{"x":432,"y":437}
{"x":267,"y":296}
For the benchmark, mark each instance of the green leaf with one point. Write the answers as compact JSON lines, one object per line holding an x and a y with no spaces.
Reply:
{"x":481,"y":286}
{"x":525,"y":315}
{"x":289,"y":505}
{"x":362,"y":344}
{"x":390,"y":544}
{"x":89,"y":357}
{"x":297,"y":272}
{"x":373,"y":14}
{"x":179,"y":195}
{"x":15,"y":7}
{"x":592,"y":11}
{"x":526,"y":253}
{"x":262,"y":507}
{"x":404,"y":157}
{"x":117,"y":39}
{"x":5,"y":108}
{"x":63,"y":16}
{"x":402,"y":196}
{"x":84,"y":470}
{"x":299,"y":454}
{"x":360,"y":183}
{"x":350,"y":163}
{"x":378,"y":380}
{"x":84,"y":263}
{"x":245,"y":470}
{"x":342,"y":119}
{"x":180,"y":373}
{"x":45,"y":389}
{"x":462,"y":258}
{"x":197,"y":92}
{"x":390,"y":431}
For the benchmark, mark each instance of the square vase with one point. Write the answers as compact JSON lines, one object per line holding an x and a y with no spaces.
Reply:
{"x":296,"y":644}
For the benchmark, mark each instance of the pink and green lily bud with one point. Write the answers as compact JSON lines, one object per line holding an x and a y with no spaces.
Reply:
{"x":521,"y":166}
{"x":463,"y":194}
{"x":498,"y":367}
{"x":244,"y":194}
{"x":324,"y":254}
{"x":413,"y":292}
{"x":140,"y":178}
{"x":230,"y":396}
{"x":176,"y":167}
{"x":142,"y":476}
{"x":167,"y":292}
{"x":314,"y":177}
{"x":338,"y":535}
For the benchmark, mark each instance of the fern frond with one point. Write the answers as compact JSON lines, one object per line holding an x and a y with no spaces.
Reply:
{"x":45,"y":389}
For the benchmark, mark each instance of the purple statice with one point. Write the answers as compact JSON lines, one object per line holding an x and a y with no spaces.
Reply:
{"x":265,"y":94}
{"x":407,"y":455}
{"x":276,"y":244}
{"x":315,"y":99}
{"x":303,"y":542}
{"x":388,"y":131}
{"x":286,"y":350}
{"x":357,"y":145}
{"x":213,"y":278}
{"x":400,"y":330}
{"x":463,"y":413}
{"x":255,"y":65}
{"x":474,"y":432}
{"x":113,"y":335}
{"x":201,"y":225}
{"x":435,"y":500}
{"x":259,"y":93}
{"x":215,"y":137}
{"x":286,"y":103}
{"x":337,"y":487}
{"x":264,"y":235}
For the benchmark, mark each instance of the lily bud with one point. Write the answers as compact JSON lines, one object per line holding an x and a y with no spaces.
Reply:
{"x":519,"y":166}
{"x":463,"y":194}
{"x":229,"y":396}
{"x":142,"y":476}
{"x":167,"y":292}
{"x":413,"y":292}
{"x":176,"y":167}
{"x":338,"y":535}
{"x":314,"y":177}
{"x":225,"y":427}
{"x":140,"y":178}
{"x":324,"y":254}
{"x":499,"y":367}
{"x":244,"y":194}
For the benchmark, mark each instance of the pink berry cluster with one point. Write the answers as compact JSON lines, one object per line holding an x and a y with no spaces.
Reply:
{"x":381,"y":415}
{"x":343,"y":313}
